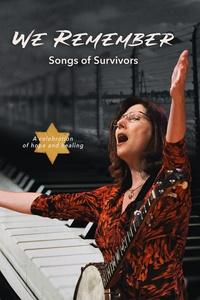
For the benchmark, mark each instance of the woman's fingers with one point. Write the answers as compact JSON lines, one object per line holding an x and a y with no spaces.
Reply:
{"x":179,"y":75}
{"x":184,"y":55}
{"x":183,"y":58}
{"x":182,"y":65}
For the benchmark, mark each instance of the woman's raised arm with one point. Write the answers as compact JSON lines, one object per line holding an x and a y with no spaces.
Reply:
{"x":177,"y":124}
{"x":17,"y":201}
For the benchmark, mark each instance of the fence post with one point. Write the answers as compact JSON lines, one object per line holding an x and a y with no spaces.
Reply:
{"x":196,"y":87}
{"x":56,"y":95}
{"x":18,"y":104}
{"x":135,"y":75}
{"x":44,"y":93}
{"x":33,"y":84}
{"x":99,"y":104}
{"x":73,"y":100}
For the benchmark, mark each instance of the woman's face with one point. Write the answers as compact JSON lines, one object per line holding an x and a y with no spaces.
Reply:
{"x":133,"y":133}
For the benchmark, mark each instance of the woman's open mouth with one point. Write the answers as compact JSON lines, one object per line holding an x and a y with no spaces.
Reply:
{"x":121,"y":138}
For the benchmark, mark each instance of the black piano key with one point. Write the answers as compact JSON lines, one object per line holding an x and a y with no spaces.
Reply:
{"x":193,"y":241}
{"x":194,"y":229}
{"x":192,"y":251}
{"x":76,"y":223}
{"x":191,"y":266}
{"x":193,"y":284}
{"x":89,"y":231}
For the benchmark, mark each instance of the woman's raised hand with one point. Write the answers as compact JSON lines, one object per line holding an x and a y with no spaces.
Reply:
{"x":179,"y":77}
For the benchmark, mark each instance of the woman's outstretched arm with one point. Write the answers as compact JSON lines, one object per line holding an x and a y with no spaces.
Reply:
{"x":177,"y":121}
{"x":82,"y":205}
{"x":17,"y":201}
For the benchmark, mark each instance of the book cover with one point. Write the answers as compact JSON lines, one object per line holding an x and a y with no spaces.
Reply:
{"x":65,"y":66}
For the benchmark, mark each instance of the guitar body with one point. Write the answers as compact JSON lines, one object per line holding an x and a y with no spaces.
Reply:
{"x":90,"y":285}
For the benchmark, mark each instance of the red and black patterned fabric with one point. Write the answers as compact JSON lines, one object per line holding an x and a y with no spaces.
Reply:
{"x":153,"y":268}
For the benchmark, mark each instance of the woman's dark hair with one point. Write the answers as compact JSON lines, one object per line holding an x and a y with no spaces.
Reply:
{"x":152,"y":157}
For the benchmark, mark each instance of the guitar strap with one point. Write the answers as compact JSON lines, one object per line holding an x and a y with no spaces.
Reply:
{"x":136,"y":204}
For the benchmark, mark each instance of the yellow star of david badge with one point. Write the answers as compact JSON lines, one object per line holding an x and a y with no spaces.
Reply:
{"x":52,"y":142}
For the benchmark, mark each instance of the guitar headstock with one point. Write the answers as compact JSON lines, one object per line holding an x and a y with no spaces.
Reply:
{"x":170,"y":178}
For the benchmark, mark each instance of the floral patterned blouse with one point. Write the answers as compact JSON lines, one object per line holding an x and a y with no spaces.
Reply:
{"x":153,"y":267}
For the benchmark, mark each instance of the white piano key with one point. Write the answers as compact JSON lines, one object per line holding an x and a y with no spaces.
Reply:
{"x":64,"y":281}
{"x":69,"y":222}
{"x":61,"y":270}
{"x":9,"y":213}
{"x":19,"y":177}
{"x":67,"y":293}
{"x":40,"y":189}
{"x":51,"y":244}
{"x":78,"y":231}
{"x":29,"y":185}
{"x":62,"y":251}
{"x":7,"y":184}
{"x":6,"y":212}
{"x":36,"y":230}
{"x":45,"y":229}
{"x":80,"y":258}
{"x":23,"y":181}
{"x":48,"y":288}
{"x":36,"y":223}
{"x":45,"y":237}
{"x":48,"y":192}
{"x":18,"y":218}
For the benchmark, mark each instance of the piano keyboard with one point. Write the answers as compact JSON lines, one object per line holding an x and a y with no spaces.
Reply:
{"x":41,"y":258}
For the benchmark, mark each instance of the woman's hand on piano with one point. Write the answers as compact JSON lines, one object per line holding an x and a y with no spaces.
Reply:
{"x":17,"y":201}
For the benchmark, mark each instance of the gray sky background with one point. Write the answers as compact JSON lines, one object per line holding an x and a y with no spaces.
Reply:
{"x":92,"y":16}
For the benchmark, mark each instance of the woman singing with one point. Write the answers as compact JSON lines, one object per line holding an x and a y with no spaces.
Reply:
{"x":143,"y":143}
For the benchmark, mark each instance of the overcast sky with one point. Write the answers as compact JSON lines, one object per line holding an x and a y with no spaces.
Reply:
{"x":92,"y":16}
